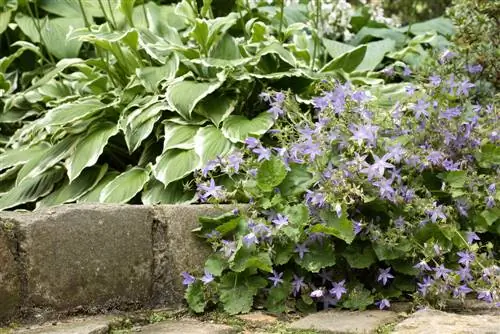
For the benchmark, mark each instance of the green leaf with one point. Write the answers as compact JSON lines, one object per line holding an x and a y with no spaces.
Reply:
{"x":488,"y":155}
{"x":238,"y":128}
{"x":297,"y":181}
{"x":237,"y":292}
{"x":31,"y":189}
{"x":319,"y":256}
{"x":69,"y":113}
{"x":54,"y":34}
{"x":226,"y":49}
{"x":336,"y":49}
{"x":340,"y":227}
{"x":183,"y":96}
{"x":16,"y":157}
{"x":216,"y":108}
{"x":440,"y":25}
{"x":195,"y":297}
{"x":270,"y":174}
{"x":244,"y":259}
{"x":359,"y":298}
{"x":276,"y":299}
{"x":491,"y":215}
{"x":152,"y":76}
{"x":282,"y":253}
{"x":70,"y":192}
{"x":71,"y":8}
{"x":124,"y":187}
{"x":93,"y":195}
{"x":140,"y":123}
{"x":215,"y":264}
{"x":347,"y":61}
{"x":367,"y":34}
{"x":179,"y":136}
{"x":375,"y":53}
{"x":40,"y":163}
{"x":210,"y":143}
{"x":4,"y":20}
{"x":390,"y":252}
{"x":127,"y":8}
{"x":278,"y":50}
{"x":89,"y":148}
{"x":155,"y":192}
{"x":175,"y":164}
{"x":359,"y":257}
{"x":455,"y":179}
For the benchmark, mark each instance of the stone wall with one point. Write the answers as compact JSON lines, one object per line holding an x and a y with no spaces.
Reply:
{"x":97,"y":257}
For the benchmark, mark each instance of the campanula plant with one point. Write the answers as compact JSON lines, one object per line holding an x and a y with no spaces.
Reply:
{"x":353,"y":204}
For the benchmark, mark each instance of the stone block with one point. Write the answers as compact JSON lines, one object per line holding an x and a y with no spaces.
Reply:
{"x":187,"y":327}
{"x":348,"y":322}
{"x":87,"y":255}
{"x":10,"y":283}
{"x":177,"y":248}
{"x":87,"y":325}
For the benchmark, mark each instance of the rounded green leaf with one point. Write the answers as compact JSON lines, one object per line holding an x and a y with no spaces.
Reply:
{"x":179,"y":136}
{"x":175,"y":164}
{"x":270,"y":174}
{"x":238,"y":128}
{"x":183,"y":96}
{"x":210,"y":143}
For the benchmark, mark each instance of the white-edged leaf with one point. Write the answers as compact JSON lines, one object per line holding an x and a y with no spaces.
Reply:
{"x":89,"y":148}
{"x":216,"y":108}
{"x":280,"y":51}
{"x":93,"y":195}
{"x":336,"y":49}
{"x":237,"y":128}
{"x":31,"y":189}
{"x":210,"y":143}
{"x":48,"y":158}
{"x":140,"y":123}
{"x":71,"y":112}
{"x":175,"y":164}
{"x":70,"y":192}
{"x":179,"y":136}
{"x":348,"y":61}
{"x":151,"y":76}
{"x":16,"y":157}
{"x":155,"y":192}
{"x":125,"y":186}
{"x":184,"y":95}
{"x":375,"y":52}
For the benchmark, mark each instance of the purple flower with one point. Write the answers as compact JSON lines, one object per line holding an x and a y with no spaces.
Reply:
{"x":410,"y":90}
{"x":420,"y":108}
{"x":301,"y":249}
{"x":364,"y":132}
{"x":450,"y":113}
{"x":449,"y":165}
{"x":441,"y":271}
{"x":447,"y":55}
{"x":377,"y":168}
{"x":471,"y":237}
{"x":264,"y":153}
{"x":279,"y":97}
{"x":436,"y":213}
{"x":490,"y":202}
{"x":388,"y":71}
{"x":427,"y":283}
{"x":399,"y":222}
{"x":435,"y":80}
{"x":492,"y":189}
{"x":210,"y":190}
{"x":188,"y":279}
{"x":407,"y":71}
{"x":338,"y":289}
{"x":276,"y":278}
{"x":207,"y":278}
{"x":315,"y":198}
{"x":252,"y":142}
{"x":396,"y":152}
{"x":228,"y":248}
{"x":466,"y":258}
{"x":357,"y":226}
{"x":280,"y":220}
{"x":213,"y":234}
{"x":384,"y":275}
{"x":326,"y":276}
{"x":265,"y":96}
{"x":383,"y":304}
{"x":250,"y":239}
{"x":276,"y":111}
{"x":474,"y":68}
{"x":312,"y":149}
{"x":360,"y":96}
{"x":464,"y":273}
{"x":320,"y":103}
{"x":385,"y":189}
{"x":235,"y":160}
{"x":435,"y":157}
{"x":486,"y":296}
{"x":297,"y":284}
{"x":464,"y":86}
{"x":209,"y":167}
{"x":461,"y":291}
{"x":422,"y":266}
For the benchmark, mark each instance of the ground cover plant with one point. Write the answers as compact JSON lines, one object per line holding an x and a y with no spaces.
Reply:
{"x":109,"y":102}
{"x":367,"y":152}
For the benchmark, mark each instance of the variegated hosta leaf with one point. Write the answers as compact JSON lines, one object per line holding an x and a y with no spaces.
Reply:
{"x":16,"y":157}
{"x":210,"y":143}
{"x":184,"y":95}
{"x":125,"y":186}
{"x":70,"y":192}
{"x":71,"y":112}
{"x":237,"y":128}
{"x":179,"y":136}
{"x":93,"y":195}
{"x":31,"y":189}
{"x":140,"y":123}
{"x":89,"y":148}
{"x":156,"y":192}
{"x":175,"y":164}
{"x":348,"y":61}
{"x":216,"y":108}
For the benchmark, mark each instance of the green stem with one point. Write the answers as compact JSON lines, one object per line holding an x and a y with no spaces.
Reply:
{"x":145,"y":14}
{"x":87,"y":23}
{"x":316,"y":33}
{"x":112,"y":15}
{"x":106,"y":15}
{"x":36,"y":22}
{"x":282,"y":10}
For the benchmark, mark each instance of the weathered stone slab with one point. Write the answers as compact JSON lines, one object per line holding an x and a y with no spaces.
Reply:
{"x":356,"y":322}
{"x":88,"y":255}
{"x":187,"y":327}
{"x":177,"y":248}
{"x":433,"y":321}
{"x":87,"y":325}
{"x":258,"y":318}
{"x":10,"y":284}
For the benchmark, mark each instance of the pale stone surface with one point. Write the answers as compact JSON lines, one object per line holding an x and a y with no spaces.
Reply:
{"x":187,"y":327}
{"x":355,"y":322}
{"x":10,"y":284}
{"x":258,"y":318}
{"x":87,"y":325}
{"x":433,"y":321}
{"x":89,"y":255}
